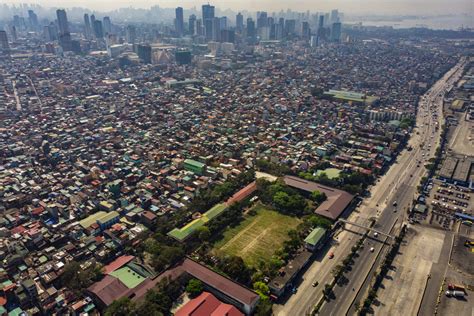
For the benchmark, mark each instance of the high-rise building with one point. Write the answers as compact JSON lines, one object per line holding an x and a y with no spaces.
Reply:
{"x":64,"y":35}
{"x":32,"y":20}
{"x":192,"y":24}
{"x":290,"y":27}
{"x":183,"y":57}
{"x":98,"y":29}
{"x":87,"y":26}
{"x":208,"y":20}
{"x":239,"y":22}
{"x":228,"y":36}
{"x":262,"y":19}
{"x":144,"y":53}
{"x":251,"y":31}
{"x":216,"y":29}
{"x":4,"y":40}
{"x":336,"y":32}
{"x":62,"y":21}
{"x":305,"y":30}
{"x":131,"y":34}
{"x":107,"y":25}
{"x":199,"y":28}
{"x":334,"y":16}
{"x":179,"y":22}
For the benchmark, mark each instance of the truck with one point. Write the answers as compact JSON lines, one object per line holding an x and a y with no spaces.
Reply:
{"x":456,"y":287}
{"x":454,"y":294}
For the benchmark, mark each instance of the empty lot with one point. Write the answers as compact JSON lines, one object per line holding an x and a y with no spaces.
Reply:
{"x":258,"y":236}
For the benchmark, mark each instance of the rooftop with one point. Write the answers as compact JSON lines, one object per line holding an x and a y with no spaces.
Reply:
{"x":336,"y":202}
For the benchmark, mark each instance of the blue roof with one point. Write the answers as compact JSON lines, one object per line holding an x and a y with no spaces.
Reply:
{"x":465,"y":216}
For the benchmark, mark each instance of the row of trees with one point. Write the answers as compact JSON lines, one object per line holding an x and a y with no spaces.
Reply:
{"x":157,"y":302}
{"x":273,"y":168}
{"x":384,"y":268}
{"x":283,"y":198}
{"x":354,"y":182}
{"x":210,"y":197}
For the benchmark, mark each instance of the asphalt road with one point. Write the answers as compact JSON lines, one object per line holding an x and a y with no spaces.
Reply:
{"x":402,"y":189}
{"x":398,"y":184}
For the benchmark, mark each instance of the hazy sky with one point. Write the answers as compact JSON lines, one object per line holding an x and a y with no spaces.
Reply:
{"x":418,"y":7}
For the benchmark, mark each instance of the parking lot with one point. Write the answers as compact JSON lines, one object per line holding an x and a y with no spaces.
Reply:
{"x":444,"y":201}
{"x":459,"y":272}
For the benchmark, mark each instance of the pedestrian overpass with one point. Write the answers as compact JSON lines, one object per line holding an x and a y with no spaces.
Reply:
{"x":366,"y":227}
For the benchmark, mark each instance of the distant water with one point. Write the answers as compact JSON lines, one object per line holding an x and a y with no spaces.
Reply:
{"x":439,"y":23}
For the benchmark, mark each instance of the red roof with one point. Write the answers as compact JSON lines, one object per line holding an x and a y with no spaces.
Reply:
{"x":220,"y":282}
{"x":108,"y":289}
{"x":243,"y":193}
{"x":18,"y":230}
{"x":117,"y":263}
{"x":149,"y":215}
{"x":207,"y":304}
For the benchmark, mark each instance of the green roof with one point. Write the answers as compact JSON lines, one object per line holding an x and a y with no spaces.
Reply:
{"x":185,"y":231}
{"x":315,"y":236}
{"x":108,"y":216}
{"x":194,"y":163}
{"x":351,"y":96}
{"x":332,"y":173}
{"x":128,"y":277}
{"x":16,"y":312}
{"x":91,"y":219}
{"x":215,"y":211}
{"x":100,"y":216}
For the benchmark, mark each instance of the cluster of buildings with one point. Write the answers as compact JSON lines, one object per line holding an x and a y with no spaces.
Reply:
{"x":95,"y":151}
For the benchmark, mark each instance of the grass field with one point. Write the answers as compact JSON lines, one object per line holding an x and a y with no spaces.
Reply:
{"x":258,"y":236}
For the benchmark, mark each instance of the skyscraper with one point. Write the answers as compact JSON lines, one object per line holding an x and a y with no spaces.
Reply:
{"x":62,"y":21}
{"x":32,"y":20}
{"x":4,"y":40}
{"x":216,"y":29}
{"x":179,"y":21}
{"x":336,"y":32}
{"x":98,"y":29}
{"x":251,"y":31}
{"x":64,"y":35}
{"x":131,"y":34}
{"x":107,"y":25}
{"x":262,"y":19}
{"x":334,"y":16}
{"x":144,"y":53}
{"x":208,"y":20}
{"x":305,"y":30}
{"x":239,"y":21}
{"x":87,"y":26}
{"x":192,"y":24}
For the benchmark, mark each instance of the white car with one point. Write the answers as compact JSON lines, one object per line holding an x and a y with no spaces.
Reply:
{"x":372,"y":249}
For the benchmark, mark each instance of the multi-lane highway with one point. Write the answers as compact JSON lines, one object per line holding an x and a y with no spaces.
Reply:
{"x":397,"y":185}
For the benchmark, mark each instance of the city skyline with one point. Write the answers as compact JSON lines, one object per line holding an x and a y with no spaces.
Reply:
{"x":383,"y":7}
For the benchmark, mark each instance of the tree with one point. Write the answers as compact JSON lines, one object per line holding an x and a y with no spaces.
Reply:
{"x":148,"y":308}
{"x":234,"y":267}
{"x":281,"y":200}
{"x":264,"y":308}
{"x":160,"y":299}
{"x":194,"y":288}
{"x":318,"y":196}
{"x":262,"y":289}
{"x":319,"y":221}
{"x":204,"y":233}
{"x":121,"y":307}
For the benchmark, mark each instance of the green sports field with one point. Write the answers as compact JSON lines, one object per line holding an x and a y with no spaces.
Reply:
{"x":258,"y":236}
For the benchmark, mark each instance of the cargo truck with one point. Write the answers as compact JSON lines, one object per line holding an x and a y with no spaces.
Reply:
{"x":456,"y":287}
{"x":454,"y":293}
